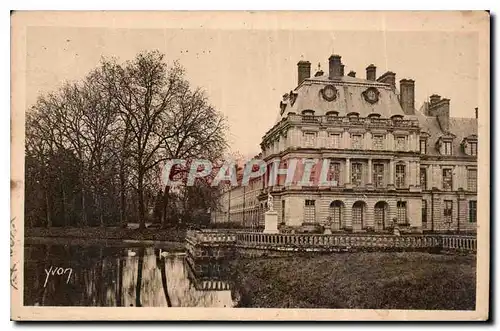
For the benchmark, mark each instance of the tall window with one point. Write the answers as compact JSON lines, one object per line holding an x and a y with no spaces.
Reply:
{"x":423,"y":146}
{"x":336,"y":214}
{"x":283,"y":211}
{"x":312,"y":177}
{"x":447,"y":179}
{"x":356,"y":173}
{"x":447,"y":148}
{"x":472,"y":179}
{"x":473,"y":148}
{"x":401,"y":207}
{"x":424,"y":211}
{"x":378,"y":175}
{"x":309,"y":139}
{"x":357,"y":215}
{"x":448,"y":211}
{"x":472,"y":211}
{"x":401,"y":143}
{"x":334,"y":173}
{"x":356,"y":141}
{"x":334,"y":140}
{"x":310,"y":211}
{"x":400,"y":175}
{"x":378,"y":142}
{"x":423,"y":178}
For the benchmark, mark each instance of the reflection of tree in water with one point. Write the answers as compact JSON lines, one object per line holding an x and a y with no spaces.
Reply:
{"x":109,"y":277}
{"x":160,"y":264}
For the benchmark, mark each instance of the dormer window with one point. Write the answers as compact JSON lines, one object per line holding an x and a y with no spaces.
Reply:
{"x":423,"y":146}
{"x":353,"y":114}
{"x":447,"y":148}
{"x":445,"y":144}
{"x":397,"y":117}
{"x":332,"y":113}
{"x":473,"y":148}
{"x":308,"y":112}
{"x":469,"y":145}
{"x":374,"y":115}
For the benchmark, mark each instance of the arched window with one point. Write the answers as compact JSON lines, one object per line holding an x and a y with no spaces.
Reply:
{"x":358,"y":211}
{"x":381,"y":214}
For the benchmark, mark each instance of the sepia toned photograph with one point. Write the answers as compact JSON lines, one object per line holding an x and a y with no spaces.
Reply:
{"x":308,"y":165}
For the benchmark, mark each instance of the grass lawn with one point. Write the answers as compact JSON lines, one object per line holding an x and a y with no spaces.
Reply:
{"x":359,"y":280}
{"x":173,"y":235}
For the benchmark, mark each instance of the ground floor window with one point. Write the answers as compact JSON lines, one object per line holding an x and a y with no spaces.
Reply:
{"x":357,"y":214}
{"x":336,"y":215}
{"x":282,"y":211}
{"x":381,"y":214}
{"x":402,"y":215}
{"x":472,"y":211}
{"x":448,"y":211}
{"x":424,"y":211}
{"x":310,"y":211}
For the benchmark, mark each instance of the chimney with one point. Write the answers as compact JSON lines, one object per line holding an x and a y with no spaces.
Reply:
{"x":335,"y":66}
{"x":319,"y":72}
{"x":476,"y":110}
{"x":352,"y":73}
{"x":304,"y":71}
{"x":441,"y":109}
{"x":388,"y":78}
{"x":371,"y":72}
{"x":407,"y":96}
{"x":434,"y":98}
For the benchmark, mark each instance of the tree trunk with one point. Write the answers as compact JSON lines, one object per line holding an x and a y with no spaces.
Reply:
{"x":164,"y":219}
{"x":123,"y":220}
{"x":140,"y":193}
{"x":64,"y":209}
{"x":83,"y":221}
{"x":47,"y":205}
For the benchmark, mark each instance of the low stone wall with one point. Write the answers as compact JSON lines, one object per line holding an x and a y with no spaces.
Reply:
{"x":223,"y":245}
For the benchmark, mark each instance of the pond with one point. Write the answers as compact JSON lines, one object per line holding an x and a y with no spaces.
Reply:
{"x":94,"y":275}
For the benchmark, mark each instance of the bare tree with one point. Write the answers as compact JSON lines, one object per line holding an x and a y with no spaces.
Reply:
{"x":113,"y":130}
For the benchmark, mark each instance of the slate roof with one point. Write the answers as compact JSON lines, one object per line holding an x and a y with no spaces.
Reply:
{"x":461,"y":127}
{"x":349,"y":98}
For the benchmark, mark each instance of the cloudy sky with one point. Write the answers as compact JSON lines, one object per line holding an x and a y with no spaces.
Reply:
{"x":245,"y":72}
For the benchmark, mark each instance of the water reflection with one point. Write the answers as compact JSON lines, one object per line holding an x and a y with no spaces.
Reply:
{"x":112,"y":276}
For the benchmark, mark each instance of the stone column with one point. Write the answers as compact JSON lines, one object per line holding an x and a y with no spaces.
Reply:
{"x":347,"y":171}
{"x":370,"y":180}
{"x":408,"y":174}
{"x":391,"y":175}
{"x":417,"y":170}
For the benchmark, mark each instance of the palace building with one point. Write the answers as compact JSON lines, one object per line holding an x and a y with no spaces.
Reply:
{"x":390,"y":163}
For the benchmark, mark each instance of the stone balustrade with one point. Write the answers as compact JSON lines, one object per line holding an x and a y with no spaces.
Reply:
{"x":357,"y":121}
{"x":321,"y":242}
{"x":467,"y":243}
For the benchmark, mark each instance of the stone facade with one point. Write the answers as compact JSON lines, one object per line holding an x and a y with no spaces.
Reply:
{"x":388,"y":162}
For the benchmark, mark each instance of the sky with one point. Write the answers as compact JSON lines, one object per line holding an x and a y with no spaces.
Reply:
{"x":245,"y":72}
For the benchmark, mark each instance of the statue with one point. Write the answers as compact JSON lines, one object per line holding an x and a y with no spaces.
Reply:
{"x":270,"y":202}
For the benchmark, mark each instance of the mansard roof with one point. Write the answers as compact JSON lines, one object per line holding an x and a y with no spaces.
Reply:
{"x":349,"y":98}
{"x":460,"y":127}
